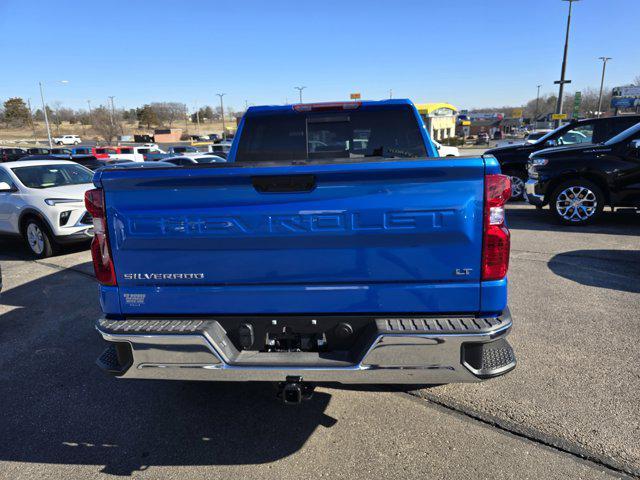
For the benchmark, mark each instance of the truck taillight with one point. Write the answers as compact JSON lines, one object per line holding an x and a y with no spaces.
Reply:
{"x":496,"y":239}
{"x":314,"y":107}
{"x":100,"y":251}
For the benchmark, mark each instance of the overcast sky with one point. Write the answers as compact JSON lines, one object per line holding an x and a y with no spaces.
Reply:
{"x":471,"y":53}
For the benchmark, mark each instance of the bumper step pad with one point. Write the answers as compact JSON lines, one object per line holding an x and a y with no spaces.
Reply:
{"x":154,"y":326}
{"x":441,"y":325}
{"x":115,"y":359}
{"x":412,"y":325}
{"x":490,"y":359}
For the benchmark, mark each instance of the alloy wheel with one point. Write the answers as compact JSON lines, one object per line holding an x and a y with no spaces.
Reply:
{"x":517,"y":187}
{"x":35,"y":237}
{"x":576,"y":204}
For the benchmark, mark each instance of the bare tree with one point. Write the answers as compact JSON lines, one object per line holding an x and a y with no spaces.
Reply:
{"x":168,"y":112}
{"x":102,"y":123}
{"x":175,"y":111}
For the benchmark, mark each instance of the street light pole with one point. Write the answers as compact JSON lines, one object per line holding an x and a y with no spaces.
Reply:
{"x":46,"y":117}
{"x":113,"y":115}
{"x":535,"y":117}
{"x":224,"y":130}
{"x":90,"y":113}
{"x":562,"y":80}
{"x":300,"y":91}
{"x":604,"y":67}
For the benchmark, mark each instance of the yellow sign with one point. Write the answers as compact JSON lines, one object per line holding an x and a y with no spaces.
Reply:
{"x":559,"y":116}
{"x":516,"y":113}
{"x":355,"y":96}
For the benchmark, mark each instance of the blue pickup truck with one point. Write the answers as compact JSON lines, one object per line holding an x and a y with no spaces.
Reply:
{"x":334,"y":246}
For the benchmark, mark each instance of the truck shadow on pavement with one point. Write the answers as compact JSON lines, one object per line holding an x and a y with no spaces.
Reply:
{"x":613,"y":269}
{"x":521,"y":217}
{"x":14,"y":248}
{"x":59,"y":408}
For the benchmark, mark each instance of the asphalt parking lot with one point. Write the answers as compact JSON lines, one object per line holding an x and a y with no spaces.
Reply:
{"x":569,"y":410}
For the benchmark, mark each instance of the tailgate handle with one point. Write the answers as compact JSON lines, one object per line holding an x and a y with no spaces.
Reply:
{"x":284,"y":183}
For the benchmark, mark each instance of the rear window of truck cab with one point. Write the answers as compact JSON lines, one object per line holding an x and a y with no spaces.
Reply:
{"x":390,"y":132}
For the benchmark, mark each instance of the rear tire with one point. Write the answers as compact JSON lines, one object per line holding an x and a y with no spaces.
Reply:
{"x":577,"y":202}
{"x":38,"y":239}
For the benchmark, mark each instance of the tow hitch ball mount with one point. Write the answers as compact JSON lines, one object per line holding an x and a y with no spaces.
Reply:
{"x":293,"y":391}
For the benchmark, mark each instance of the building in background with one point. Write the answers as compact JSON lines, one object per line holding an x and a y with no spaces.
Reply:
{"x":439,"y":118}
{"x":167,"y":135}
{"x":489,"y":123}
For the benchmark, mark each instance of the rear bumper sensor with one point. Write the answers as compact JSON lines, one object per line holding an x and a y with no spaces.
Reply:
{"x":348,"y":349}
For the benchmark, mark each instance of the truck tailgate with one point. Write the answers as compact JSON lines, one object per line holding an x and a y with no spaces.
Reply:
{"x":380,"y":236}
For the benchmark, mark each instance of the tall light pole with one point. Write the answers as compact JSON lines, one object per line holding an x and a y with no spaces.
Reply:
{"x":535,"y":117}
{"x":90,"y":113}
{"x":562,"y":80}
{"x":300,"y":91}
{"x":604,"y":67}
{"x":224,"y":130}
{"x":44,"y":109}
{"x":113,"y":115}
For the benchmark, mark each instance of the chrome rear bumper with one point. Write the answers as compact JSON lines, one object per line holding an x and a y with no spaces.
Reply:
{"x":401,"y":351}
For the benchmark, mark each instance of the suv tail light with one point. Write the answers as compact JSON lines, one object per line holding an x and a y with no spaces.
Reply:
{"x":496,"y":239}
{"x":100,"y":251}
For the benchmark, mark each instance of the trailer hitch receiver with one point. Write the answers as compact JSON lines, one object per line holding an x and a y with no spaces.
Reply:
{"x":293,"y":391}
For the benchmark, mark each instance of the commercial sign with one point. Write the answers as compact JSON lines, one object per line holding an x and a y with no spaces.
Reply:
{"x":355,"y":96}
{"x":516,"y":113}
{"x":559,"y":116}
{"x":485,"y":116}
{"x":577,"y":100}
{"x":628,"y":91}
{"x":625,"y":102}
{"x":626,"y":97}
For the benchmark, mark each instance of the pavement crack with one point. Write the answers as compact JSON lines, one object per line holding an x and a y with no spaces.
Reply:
{"x":554,"y":442}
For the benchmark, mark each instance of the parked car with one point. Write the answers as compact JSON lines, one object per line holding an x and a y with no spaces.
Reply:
{"x":127,"y":164}
{"x":510,"y":141}
{"x":38,"y":151}
{"x":60,"y":151}
{"x":182,"y":150}
{"x":513,"y":159}
{"x":445,"y":150}
{"x":214,"y":137}
{"x":183,"y":160}
{"x":353,"y":265}
{"x":132,"y":154}
{"x":42,"y":201}
{"x":221,"y":149}
{"x":88,"y":161}
{"x":81,"y":151}
{"x":67,"y":140}
{"x":577,"y":182}
{"x":533,"y":137}
{"x":104,"y":152}
{"x":9,"y":154}
{"x":483,"y":138}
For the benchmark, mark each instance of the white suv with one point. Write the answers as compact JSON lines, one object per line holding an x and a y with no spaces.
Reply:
{"x":67,"y":140}
{"x":43,"y":201}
